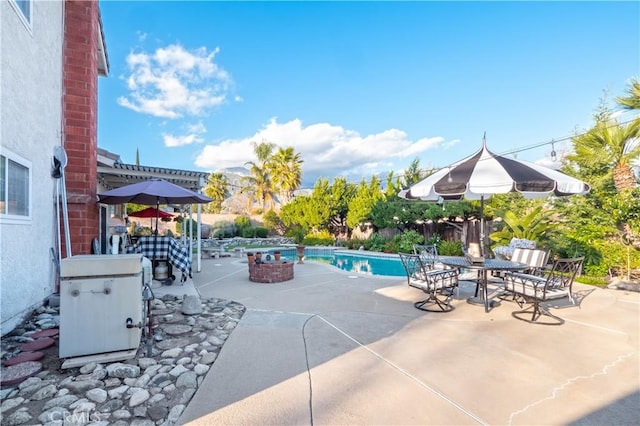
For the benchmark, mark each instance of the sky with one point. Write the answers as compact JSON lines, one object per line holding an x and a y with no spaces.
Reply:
{"x":358,"y":88}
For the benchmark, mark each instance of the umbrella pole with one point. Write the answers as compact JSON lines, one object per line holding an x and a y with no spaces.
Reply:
{"x":157,"y":215}
{"x":155,"y":238}
{"x":482,"y":225}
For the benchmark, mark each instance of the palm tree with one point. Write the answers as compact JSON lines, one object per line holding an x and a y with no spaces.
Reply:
{"x":613,"y":145}
{"x":286,"y":172}
{"x":258,"y":187}
{"x":263,"y":151}
{"x":632,"y":101}
{"x":216,"y":188}
{"x":610,"y":146}
{"x":258,"y":184}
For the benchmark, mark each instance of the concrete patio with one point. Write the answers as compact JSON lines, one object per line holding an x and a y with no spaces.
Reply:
{"x":332,"y":348}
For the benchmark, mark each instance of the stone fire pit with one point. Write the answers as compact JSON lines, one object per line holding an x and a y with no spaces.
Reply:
{"x":271,"y":271}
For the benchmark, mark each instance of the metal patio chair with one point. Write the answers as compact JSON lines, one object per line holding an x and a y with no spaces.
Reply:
{"x":535,"y":289}
{"x":536,"y":261}
{"x":428,"y":254}
{"x":438,"y":284}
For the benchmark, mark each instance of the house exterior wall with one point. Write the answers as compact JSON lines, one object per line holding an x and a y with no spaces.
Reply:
{"x":30,"y":122}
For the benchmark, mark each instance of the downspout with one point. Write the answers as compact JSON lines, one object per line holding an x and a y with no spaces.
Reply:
{"x":56,"y":229}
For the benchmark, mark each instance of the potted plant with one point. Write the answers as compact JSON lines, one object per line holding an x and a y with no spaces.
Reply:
{"x":298,"y":232}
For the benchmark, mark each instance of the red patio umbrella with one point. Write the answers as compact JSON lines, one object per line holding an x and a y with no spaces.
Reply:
{"x":151,"y":212}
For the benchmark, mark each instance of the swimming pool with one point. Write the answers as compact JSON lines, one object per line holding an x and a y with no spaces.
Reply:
{"x":362,"y":263}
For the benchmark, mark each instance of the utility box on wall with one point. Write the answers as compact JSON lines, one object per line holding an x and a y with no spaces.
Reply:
{"x":100,"y":304}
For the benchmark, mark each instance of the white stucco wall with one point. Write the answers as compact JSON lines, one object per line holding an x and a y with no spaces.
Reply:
{"x":30,"y":121}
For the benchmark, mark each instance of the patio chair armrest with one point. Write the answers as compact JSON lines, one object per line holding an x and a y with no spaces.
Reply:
{"x":437,"y":273}
{"x":525,"y":284}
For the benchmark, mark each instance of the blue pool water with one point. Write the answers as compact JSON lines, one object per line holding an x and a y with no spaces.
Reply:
{"x":357,"y":263}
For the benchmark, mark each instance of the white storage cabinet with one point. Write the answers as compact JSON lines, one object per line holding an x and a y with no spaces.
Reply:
{"x":99,"y":296}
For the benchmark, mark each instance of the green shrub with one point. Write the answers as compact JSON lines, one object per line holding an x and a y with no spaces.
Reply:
{"x":618,"y":257}
{"x":391,"y":246}
{"x":223,"y":229}
{"x":297,"y":233}
{"x":188,"y":223}
{"x":314,"y":240}
{"x":272,"y":221}
{"x":434,"y":239}
{"x":243,"y":227}
{"x":226,"y":232}
{"x":599,"y":270}
{"x":450,"y":248}
{"x":242,"y":221}
{"x":319,"y":238}
{"x":261,"y":232}
{"x":376,"y":243}
{"x":533,"y":225}
{"x":591,"y":280}
{"x":324,"y":234}
{"x":354,"y":243}
{"x":247,"y":232}
{"x":407,"y":240}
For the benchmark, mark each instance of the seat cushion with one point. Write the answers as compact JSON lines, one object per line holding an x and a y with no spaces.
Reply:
{"x":522,"y":243}
{"x":533,"y":286}
{"x":438,"y":278}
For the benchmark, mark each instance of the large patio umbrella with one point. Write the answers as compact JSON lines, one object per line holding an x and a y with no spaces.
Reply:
{"x":151,"y":212}
{"x":153,"y":192}
{"x":484,"y":173}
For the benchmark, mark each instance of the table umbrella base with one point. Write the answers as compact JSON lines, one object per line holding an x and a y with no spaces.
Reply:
{"x":480,"y":301}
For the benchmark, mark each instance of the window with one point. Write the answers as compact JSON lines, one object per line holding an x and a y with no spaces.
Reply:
{"x":24,"y":7}
{"x":15,"y":187}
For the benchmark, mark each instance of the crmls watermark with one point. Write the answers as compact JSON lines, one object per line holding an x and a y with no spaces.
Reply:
{"x":74,"y":418}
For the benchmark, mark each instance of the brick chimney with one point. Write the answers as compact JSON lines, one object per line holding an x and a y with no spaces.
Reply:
{"x":81,"y":55}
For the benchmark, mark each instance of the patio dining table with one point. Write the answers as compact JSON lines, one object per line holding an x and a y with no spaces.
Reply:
{"x":483,"y":268}
{"x":164,"y":248}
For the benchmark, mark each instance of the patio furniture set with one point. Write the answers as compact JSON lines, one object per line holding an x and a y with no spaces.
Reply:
{"x":166,"y":249}
{"x":527,"y":279}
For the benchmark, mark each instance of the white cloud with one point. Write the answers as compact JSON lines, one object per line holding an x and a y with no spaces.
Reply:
{"x":171,"y":141}
{"x":172,"y":82}
{"x":197,"y":128}
{"x":327,"y":150}
{"x":194,"y":136}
